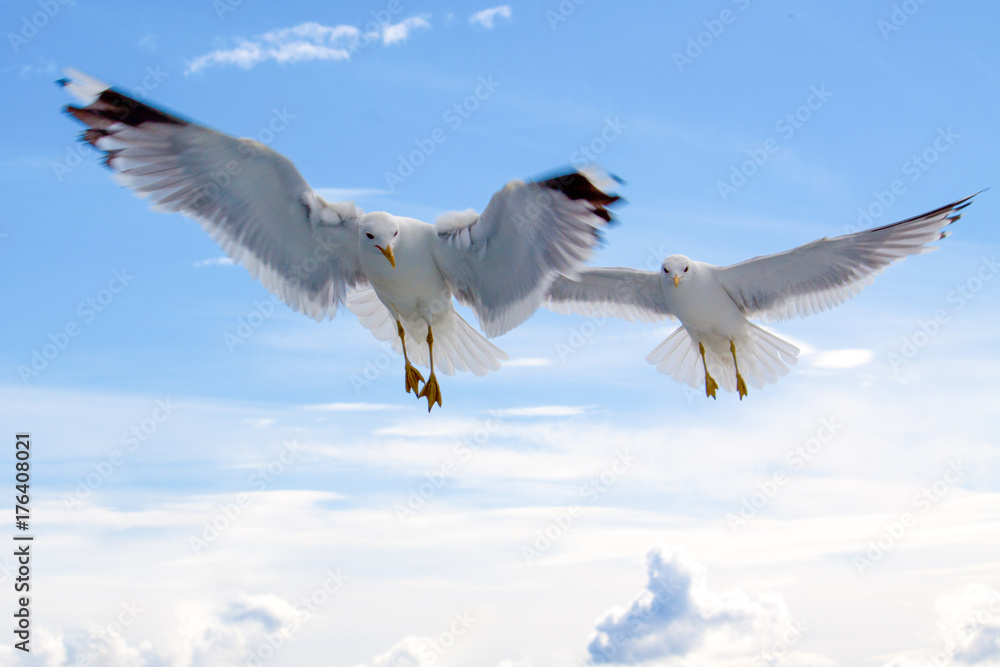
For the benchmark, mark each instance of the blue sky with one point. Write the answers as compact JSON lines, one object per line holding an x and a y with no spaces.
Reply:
{"x":575,"y":507}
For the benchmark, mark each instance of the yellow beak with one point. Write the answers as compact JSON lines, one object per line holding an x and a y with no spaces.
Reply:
{"x":677,"y":280}
{"x":387,"y":251}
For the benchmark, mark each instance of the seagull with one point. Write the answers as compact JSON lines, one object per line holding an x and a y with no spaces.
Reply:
{"x":714,"y":303}
{"x":398,"y":274}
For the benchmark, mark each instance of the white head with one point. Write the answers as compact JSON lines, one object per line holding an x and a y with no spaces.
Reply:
{"x":379,"y":233}
{"x":677,"y":268}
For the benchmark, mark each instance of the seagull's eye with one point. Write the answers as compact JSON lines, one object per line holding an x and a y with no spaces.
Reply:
{"x":395,"y":234}
{"x":666,"y":270}
{"x":369,"y":235}
{"x":686,"y":269}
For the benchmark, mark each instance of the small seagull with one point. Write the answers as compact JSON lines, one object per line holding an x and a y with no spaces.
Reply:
{"x":716,"y":343}
{"x":401,"y":273}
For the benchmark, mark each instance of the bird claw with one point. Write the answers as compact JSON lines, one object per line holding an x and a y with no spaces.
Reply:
{"x":741,"y":386}
{"x":431,"y":391}
{"x":413,"y":379}
{"x":711,"y":386}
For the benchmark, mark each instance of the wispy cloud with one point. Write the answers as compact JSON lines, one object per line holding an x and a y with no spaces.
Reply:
{"x":307,"y":41}
{"x":486,"y":17}
{"x":545,"y":411}
{"x":215,"y":261}
{"x":392,"y":34}
{"x":351,"y":407}
{"x":527,"y":362}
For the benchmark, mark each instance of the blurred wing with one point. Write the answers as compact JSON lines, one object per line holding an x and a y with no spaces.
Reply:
{"x":501,"y":263}
{"x":626,"y":293}
{"x":250,"y":199}
{"x":827,"y":272}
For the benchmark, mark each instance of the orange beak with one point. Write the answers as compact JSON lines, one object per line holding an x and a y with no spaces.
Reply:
{"x":387,"y":251}
{"x":677,"y":280}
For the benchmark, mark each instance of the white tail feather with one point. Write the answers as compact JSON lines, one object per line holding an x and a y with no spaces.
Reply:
{"x":457,"y":346}
{"x":762,"y":356}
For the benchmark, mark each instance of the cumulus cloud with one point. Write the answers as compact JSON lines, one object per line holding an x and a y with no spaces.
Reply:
{"x":411,"y":652}
{"x":676,"y":620}
{"x":307,"y":41}
{"x":226,"y":633}
{"x":486,"y":17}
{"x":968,"y":631}
{"x":393,"y":34}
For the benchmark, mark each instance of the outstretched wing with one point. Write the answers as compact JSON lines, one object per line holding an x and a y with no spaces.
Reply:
{"x":250,"y":199}
{"x":825,"y":273}
{"x":627,"y":293}
{"x":501,"y":262}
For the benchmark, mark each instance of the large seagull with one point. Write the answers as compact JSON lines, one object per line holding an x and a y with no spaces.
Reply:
{"x":716,"y":343}
{"x":401,"y":273}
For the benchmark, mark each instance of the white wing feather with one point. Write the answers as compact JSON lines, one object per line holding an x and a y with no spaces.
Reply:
{"x":626,"y":293}
{"x":501,"y":263}
{"x":249,"y":198}
{"x":825,"y":273}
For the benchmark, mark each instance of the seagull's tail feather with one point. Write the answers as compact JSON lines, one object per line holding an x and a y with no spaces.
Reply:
{"x":763,"y":358}
{"x":457,"y":346}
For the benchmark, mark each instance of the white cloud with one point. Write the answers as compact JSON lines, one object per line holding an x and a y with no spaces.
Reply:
{"x":215,"y":261}
{"x":677,"y":618}
{"x":351,"y":407}
{"x":486,"y":17}
{"x":544,"y":411}
{"x":840,"y":358}
{"x":968,"y":631}
{"x":411,"y":652}
{"x":391,"y":34}
{"x":527,"y":362}
{"x":307,"y":41}
{"x":203,"y":634}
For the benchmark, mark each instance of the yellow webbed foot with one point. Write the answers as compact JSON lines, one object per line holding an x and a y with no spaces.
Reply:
{"x":741,"y":386}
{"x":432,"y":391}
{"x":711,"y":386}
{"x":413,"y":379}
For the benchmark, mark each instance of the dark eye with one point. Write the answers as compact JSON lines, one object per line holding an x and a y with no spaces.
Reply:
{"x":686,"y":269}
{"x":369,"y":235}
{"x":396,"y":234}
{"x":666,"y":270}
